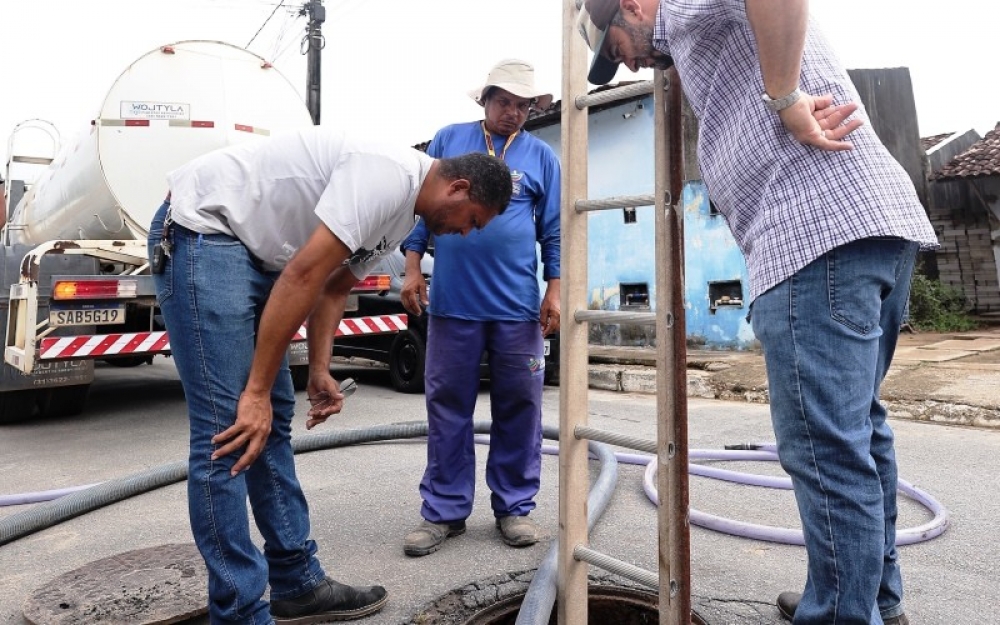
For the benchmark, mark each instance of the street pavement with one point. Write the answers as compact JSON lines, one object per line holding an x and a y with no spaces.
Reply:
{"x":364,"y":498}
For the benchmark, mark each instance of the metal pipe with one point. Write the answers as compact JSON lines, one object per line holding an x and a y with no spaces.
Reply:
{"x":614,"y":94}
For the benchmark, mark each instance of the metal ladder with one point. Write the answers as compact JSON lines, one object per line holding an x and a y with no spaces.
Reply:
{"x":674,"y":576}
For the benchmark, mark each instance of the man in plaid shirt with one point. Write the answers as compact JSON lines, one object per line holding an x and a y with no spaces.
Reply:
{"x":830,"y":225}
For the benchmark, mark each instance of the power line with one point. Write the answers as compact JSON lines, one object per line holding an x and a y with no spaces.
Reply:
{"x":280,"y":4}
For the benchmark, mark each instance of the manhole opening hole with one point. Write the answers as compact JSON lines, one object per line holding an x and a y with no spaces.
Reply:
{"x":605,"y":605}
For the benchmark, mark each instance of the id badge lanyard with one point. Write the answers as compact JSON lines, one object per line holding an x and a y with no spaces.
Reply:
{"x":489,"y":142}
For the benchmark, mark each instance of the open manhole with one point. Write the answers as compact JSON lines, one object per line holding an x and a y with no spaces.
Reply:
{"x":606,"y":604}
{"x":496,"y":600}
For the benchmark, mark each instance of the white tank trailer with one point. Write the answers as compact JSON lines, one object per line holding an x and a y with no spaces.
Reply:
{"x":169,"y":106}
{"x":86,"y":217}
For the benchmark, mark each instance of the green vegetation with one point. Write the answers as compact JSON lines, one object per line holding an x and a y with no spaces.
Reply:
{"x":936,"y":307}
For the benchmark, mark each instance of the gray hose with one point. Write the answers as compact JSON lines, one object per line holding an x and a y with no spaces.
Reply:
{"x":541,"y":595}
{"x":51,"y":513}
{"x":536,"y":608}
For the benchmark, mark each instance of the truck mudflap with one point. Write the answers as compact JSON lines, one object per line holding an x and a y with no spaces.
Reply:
{"x":49,"y":374}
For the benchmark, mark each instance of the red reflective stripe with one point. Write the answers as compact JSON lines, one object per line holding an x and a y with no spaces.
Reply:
{"x":136,"y":122}
{"x":244,"y":128}
{"x":133,"y":343}
{"x":74,"y":345}
{"x":160,"y":343}
{"x":202,"y":124}
{"x":102,"y":348}
{"x":351,"y":325}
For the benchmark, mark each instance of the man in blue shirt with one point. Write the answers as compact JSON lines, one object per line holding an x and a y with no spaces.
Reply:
{"x":486,"y":298}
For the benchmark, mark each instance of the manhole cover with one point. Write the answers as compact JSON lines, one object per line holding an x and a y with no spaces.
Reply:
{"x":154,"y":586}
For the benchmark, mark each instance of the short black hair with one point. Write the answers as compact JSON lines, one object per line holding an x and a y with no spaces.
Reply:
{"x":489,"y":178}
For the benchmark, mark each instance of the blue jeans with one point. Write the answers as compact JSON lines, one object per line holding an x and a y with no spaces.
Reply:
{"x":451,"y":377}
{"x":211,"y":296}
{"x":828,"y":334}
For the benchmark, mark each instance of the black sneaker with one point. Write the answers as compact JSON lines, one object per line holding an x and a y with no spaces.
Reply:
{"x":329,"y":601}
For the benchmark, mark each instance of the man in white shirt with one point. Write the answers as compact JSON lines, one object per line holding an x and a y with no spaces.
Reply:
{"x":251,"y":241}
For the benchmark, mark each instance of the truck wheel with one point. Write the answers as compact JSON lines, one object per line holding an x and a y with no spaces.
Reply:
{"x":17,"y":405}
{"x":64,"y":401}
{"x":406,"y":363}
{"x":300,"y":377}
{"x":552,"y":373}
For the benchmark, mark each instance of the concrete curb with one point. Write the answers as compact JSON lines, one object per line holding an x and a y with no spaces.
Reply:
{"x":933,"y":394}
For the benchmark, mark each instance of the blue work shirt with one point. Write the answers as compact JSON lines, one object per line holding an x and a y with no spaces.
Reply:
{"x":492,"y":274}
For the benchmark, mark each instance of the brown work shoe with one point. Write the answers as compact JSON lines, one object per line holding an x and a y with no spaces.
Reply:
{"x":518,"y":531}
{"x":428,"y":537}
{"x":788,"y":602}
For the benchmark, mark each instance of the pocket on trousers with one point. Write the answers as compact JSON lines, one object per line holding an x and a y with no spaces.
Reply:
{"x":858,"y":274}
{"x":164,"y":282}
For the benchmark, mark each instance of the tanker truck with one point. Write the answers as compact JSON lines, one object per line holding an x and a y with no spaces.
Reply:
{"x":73,"y":249}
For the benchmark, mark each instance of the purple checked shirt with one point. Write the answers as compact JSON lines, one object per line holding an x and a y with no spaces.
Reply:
{"x":786,"y":203}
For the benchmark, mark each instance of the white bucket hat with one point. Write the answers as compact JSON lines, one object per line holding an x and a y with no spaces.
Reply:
{"x":517,"y":77}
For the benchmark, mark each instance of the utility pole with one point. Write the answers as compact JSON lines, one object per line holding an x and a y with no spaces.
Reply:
{"x":313,"y":46}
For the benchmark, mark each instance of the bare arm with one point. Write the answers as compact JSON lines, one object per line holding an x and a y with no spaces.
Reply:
{"x":323,"y":323}
{"x":292,"y":299}
{"x":779,"y":26}
{"x":780,"y":29}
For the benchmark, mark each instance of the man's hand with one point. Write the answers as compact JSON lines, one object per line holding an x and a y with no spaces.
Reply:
{"x":252,"y":427}
{"x":325,"y":397}
{"x":550,"y":313}
{"x":817,"y":122}
{"x":414,"y":292}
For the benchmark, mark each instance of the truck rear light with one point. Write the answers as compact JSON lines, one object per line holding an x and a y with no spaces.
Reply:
{"x":373,"y":282}
{"x":94,"y":289}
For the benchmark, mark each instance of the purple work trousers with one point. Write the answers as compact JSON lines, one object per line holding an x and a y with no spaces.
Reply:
{"x":451,"y":377}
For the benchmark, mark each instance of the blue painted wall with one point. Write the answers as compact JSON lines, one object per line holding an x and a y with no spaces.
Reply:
{"x":621,"y":163}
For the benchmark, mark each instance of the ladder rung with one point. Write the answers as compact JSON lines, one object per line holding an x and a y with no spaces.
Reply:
{"x":607,"y":96}
{"x":621,"y":201}
{"x":32,"y":160}
{"x":618,"y":567}
{"x":615,"y":316}
{"x":614,"y":438}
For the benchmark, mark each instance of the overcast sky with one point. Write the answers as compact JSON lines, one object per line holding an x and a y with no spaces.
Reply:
{"x":400,"y":69}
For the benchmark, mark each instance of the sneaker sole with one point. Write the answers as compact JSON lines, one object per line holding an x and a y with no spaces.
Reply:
{"x":417,"y":552}
{"x":339,"y":615}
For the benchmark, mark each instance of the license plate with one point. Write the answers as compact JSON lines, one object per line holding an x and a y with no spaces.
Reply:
{"x":548,"y":347}
{"x":103,"y":315}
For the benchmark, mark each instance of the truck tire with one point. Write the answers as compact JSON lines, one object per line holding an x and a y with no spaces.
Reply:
{"x":406,"y":363}
{"x":18,"y":405}
{"x":129,"y":361}
{"x":63,"y":401}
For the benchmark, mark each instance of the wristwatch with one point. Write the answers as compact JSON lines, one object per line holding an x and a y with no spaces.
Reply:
{"x":780,"y":104}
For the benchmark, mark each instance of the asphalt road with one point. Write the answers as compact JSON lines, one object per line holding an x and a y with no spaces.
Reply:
{"x":364,"y":499}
